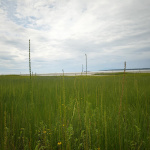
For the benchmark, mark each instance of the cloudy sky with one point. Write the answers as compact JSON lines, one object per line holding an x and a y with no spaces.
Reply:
{"x":63,"y":31}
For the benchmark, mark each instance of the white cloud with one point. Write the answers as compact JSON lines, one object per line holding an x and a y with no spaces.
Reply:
{"x":62,"y":31}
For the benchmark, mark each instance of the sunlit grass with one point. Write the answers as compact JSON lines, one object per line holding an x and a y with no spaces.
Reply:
{"x":79,"y":112}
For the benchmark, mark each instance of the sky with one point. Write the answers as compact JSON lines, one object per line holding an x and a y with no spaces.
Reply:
{"x":61,"y":32}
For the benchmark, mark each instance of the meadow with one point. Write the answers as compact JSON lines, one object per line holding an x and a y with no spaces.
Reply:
{"x":75,"y":113}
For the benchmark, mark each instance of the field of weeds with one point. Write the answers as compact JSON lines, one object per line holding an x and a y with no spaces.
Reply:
{"x":80,"y":112}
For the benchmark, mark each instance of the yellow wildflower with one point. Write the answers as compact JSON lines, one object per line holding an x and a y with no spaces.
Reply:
{"x":59,"y":143}
{"x":44,"y":132}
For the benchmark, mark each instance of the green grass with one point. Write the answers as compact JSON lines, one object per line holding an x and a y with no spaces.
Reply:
{"x":81,"y":112}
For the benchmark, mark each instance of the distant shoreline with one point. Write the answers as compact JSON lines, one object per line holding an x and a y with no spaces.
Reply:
{"x":89,"y":73}
{"x":126,"y":69}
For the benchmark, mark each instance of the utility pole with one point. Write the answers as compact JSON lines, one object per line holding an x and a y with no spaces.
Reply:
{"x":82,"y":67}
{"x":86,"y":63}
{"x":29,"y":60}
{"x":124,"y":66}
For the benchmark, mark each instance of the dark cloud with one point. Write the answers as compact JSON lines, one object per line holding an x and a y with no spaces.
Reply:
{"x":7,"y":57}
{"x":19,"y":44}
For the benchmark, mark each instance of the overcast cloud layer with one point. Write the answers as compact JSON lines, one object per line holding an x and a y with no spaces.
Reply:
{"x":62,"y":31}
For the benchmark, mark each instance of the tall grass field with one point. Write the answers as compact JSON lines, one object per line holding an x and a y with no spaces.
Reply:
{"x":75,"y":113}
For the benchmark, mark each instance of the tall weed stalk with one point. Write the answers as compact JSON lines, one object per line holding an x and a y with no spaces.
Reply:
{"x":120,"y":106}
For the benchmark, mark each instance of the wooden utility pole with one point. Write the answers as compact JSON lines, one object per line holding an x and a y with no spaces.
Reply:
{"x":29,"y":60}
{"x":86,"y":63}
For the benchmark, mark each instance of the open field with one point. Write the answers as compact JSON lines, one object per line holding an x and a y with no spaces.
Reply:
{"x":75,"y":112}
{"x":89,"y":73}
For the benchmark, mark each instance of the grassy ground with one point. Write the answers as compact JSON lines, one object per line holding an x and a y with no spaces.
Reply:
{"x":80,"y":112}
